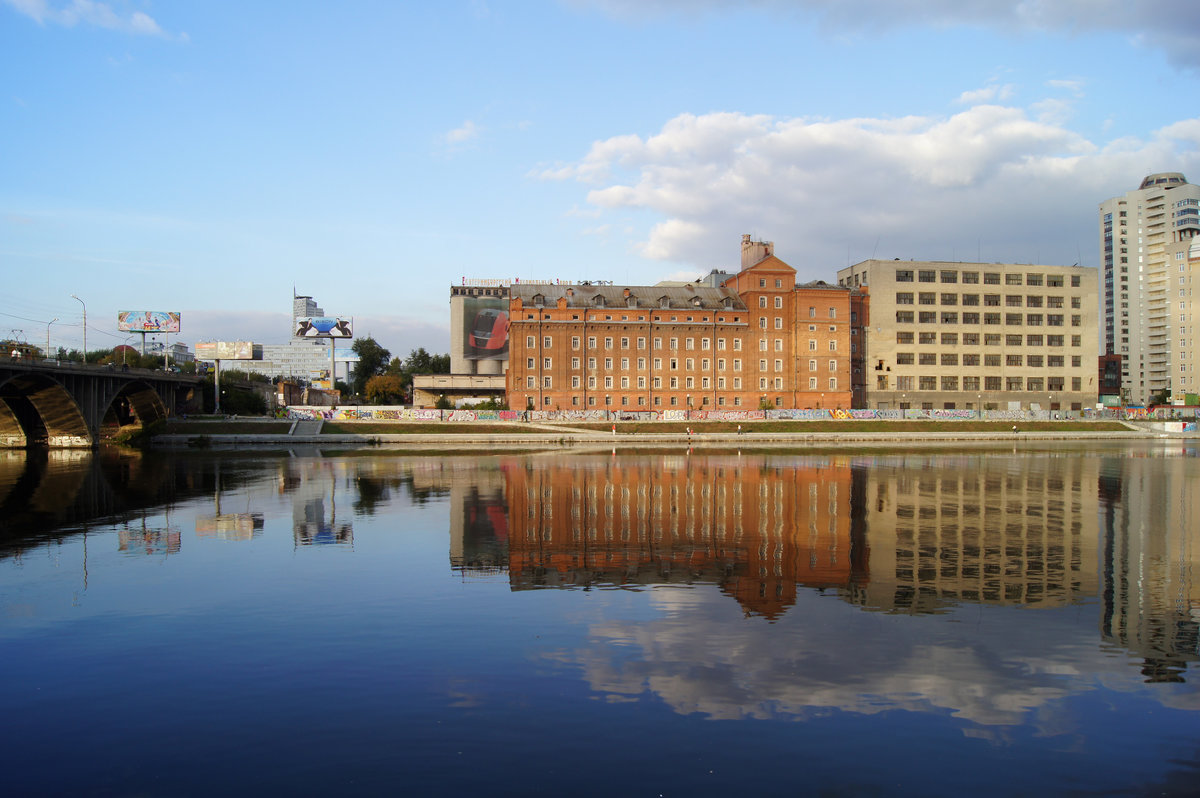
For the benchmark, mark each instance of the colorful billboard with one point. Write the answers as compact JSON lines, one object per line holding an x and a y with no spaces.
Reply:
{"x":485,"y":333}
{"x":322,"y":327}
{"x":148,"y":321}
{"x":224,"y":350}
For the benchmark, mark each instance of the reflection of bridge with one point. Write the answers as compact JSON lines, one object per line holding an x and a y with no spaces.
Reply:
{"x":66,"y":405}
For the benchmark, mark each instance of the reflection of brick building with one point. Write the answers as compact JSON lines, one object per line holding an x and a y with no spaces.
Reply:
{"x":756,"y":530}
{"x":728,"y":342}
{"x":944,"y":529}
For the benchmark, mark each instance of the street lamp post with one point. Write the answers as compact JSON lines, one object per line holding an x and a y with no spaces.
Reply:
{"x":48,"y":336}
{"x":80,"y":301}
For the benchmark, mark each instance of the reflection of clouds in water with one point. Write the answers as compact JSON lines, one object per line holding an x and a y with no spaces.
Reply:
{"x":1002,"y":669}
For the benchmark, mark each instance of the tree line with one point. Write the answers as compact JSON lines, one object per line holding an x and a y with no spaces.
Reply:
{"x":381,"y":379}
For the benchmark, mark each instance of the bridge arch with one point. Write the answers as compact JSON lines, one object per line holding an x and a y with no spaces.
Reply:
{"x":42,"y":409}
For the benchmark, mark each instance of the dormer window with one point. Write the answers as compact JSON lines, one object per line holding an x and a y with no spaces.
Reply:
{"x":696,"y":301}
{"x":598,"y":300}
{"x":663,"y":302}
{"x":631,"y":302}
{"x":539,"y":300}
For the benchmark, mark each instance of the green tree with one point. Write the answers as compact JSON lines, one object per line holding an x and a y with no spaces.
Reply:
{"x":372,"y":360}
{"x":418,"y":361}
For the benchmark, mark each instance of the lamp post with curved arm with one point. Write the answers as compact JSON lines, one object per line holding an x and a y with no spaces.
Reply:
{"x":80,"y":301}
{"x":48,"y":336}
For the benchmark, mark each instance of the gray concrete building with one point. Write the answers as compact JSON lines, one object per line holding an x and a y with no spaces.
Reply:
{"x":971,"y":336}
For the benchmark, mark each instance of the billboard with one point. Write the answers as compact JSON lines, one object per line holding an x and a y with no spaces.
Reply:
{"x":485,"y":333}
{"x":148,"y":321}
{"x":224,"y":350}
{"x":322,"y":327}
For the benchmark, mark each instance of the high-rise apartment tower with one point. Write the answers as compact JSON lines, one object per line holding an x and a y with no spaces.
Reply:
{"x":1146,"y":316}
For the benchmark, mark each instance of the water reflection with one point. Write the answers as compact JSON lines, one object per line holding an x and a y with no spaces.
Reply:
{"x":891,"y":533}
{"x":757,"y":528}
{"x":895,"y":534}
{"x":1149,"y":530}
{"x":437,"y":610}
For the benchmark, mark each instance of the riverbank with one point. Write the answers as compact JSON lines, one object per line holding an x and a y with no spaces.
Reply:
{"x":722,"y":434}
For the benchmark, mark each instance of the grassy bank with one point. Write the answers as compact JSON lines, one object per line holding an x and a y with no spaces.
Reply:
{"x":178,"y":426}
{"x":281,"y":427}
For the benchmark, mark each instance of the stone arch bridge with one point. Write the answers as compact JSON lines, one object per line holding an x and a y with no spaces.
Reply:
{"x":66,"y":405}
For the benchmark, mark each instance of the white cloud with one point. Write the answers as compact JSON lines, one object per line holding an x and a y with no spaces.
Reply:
{"x":87,"y":12}
{"x":991,"y":182}
{"x":1073,"y":86}
{"x":1170,"y":25}
{"x":460,"y":135}
{"x":985,"y":95}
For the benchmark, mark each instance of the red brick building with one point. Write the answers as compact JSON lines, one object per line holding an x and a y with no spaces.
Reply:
{"x":742,"y":341}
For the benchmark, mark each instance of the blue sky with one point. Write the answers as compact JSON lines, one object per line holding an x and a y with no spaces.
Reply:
{"x":206,"y":157}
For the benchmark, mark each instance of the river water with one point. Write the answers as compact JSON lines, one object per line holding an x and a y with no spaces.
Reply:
{"x":988,"y":621}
